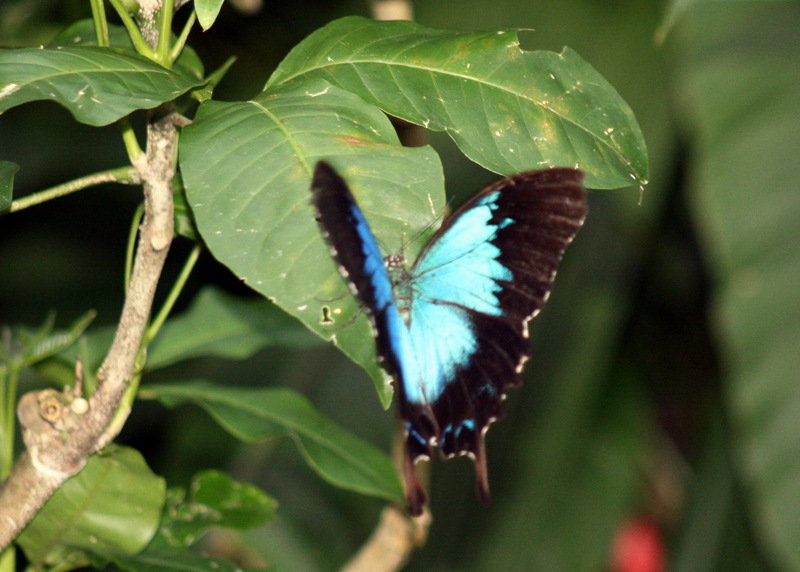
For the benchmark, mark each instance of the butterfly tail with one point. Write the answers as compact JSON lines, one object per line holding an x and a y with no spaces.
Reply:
{"x":415,"y":493}
{"x":482,"y":472}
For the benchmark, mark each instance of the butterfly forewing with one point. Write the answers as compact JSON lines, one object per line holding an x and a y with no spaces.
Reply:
{"x":356,"y":251}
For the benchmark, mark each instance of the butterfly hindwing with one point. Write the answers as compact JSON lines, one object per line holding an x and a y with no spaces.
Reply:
{"x":452,"y":332}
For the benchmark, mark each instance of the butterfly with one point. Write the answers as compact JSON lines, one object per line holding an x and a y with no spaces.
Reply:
{"x":452,"y":331}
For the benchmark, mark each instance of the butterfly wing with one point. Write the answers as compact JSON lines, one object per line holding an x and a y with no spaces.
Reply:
{"x":474,"y":288}
{"x":354,"y":247}
{"x":485,"y":273}
{"x":356,"y":251}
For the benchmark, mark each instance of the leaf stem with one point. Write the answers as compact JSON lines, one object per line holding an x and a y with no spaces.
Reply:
{"x":177,"y":48}
{"x":176,"y":290}
{"x":127,"y":175}
{"x":100,"y":23}
{"x":129,"y":139}
{"x":8,"y":386}
{"x":8,"y":560}
{"x":133,"y":30}
{"x":131,"y":249}
{"x":10,"y":397}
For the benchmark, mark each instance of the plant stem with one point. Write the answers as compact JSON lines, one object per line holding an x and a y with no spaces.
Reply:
{"x":120,"y":175}
{"x":100,"y":23}
{"x":163,"y":50}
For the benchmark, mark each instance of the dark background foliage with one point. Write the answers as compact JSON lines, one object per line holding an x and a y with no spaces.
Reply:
{"x":664,"y":379}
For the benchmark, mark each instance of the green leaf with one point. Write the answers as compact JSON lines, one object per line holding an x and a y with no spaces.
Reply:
{"x":212,"y":81}
{"x":216,"y":324}
{"x":7,"y":171}
{"x":716,"y":532}
{"x":222,"y":325}
{"x":247,"y":170}
{"x":23,"y":347}
{"x":58,"y":341}
{"x":82,"y":33}
{"x":112,"y":507}
{"x":255,"y":414}
{"x":97,"y":85}
{"x":743,"y":107}
{"x":169,"y":560}
{"x":507,"y":109}
{"x":207,"y":12}
{"x":215,"y":499}
{"x":238,"y":505}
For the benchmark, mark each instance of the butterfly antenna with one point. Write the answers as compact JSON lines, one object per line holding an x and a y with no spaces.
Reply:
{"x":341,"y":296}
{"x":419,"y":234}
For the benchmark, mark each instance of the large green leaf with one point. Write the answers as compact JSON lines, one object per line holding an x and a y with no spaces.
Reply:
{"x":715,"y":535}
{"x":113,"y":506}
{"x":743,"y":104}
{"x":97,"y":85}
{"x":255,"y":414}
{"x":507,"y":109}
{"x":247,"y":170}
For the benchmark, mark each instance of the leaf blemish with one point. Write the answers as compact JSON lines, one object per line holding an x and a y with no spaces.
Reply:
{"x":8,"y":90}
{"x":323,"y":92}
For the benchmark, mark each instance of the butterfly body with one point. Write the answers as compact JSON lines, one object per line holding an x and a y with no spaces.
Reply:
{"x":452,"y":330}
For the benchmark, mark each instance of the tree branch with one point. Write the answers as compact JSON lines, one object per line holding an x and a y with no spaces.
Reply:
{"x":59,"y":431}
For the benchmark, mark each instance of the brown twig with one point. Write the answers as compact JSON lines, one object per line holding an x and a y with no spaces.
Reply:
{"x":391,"y":543}
{"x":60,"y":435}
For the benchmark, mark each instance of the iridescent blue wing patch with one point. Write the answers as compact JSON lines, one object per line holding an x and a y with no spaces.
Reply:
{"x":452,"y":332}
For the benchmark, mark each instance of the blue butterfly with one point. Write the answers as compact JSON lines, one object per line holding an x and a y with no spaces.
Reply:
{"x":452,"y":331}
